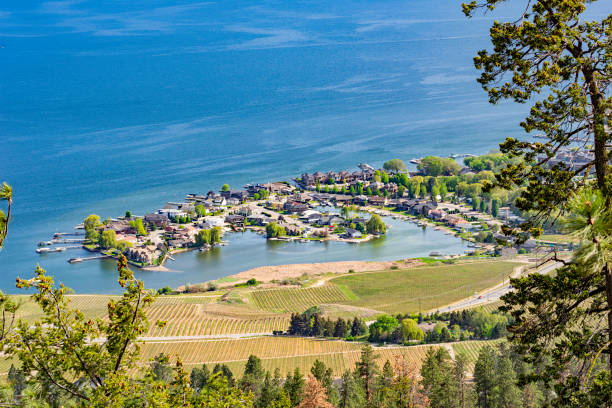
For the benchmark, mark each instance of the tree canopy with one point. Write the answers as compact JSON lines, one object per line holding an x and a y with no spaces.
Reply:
{"x":395,"y":166}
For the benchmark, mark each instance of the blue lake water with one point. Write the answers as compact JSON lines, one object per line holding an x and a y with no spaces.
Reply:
{"x":108,"y":107}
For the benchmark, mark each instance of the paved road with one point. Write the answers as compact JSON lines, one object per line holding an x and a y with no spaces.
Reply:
{"x":492,"y":294}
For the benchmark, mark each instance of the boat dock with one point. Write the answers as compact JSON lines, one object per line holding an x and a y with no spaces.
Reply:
{"x":89,"y":258}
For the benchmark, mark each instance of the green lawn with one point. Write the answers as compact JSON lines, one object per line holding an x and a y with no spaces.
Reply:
{"x":423,"y":288}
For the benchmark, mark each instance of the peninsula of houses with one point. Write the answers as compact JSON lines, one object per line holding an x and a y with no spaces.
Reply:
{"x":341,"y":206}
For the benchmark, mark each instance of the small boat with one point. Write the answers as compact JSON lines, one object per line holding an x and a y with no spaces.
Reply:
{"x":435,"y":253}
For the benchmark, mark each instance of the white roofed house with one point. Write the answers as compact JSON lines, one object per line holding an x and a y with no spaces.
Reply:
{"x":219,"y":201}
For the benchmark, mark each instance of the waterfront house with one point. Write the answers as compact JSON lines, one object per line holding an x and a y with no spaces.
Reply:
{"x":141,"y":255}
{"x":342,"y":198}
{"x":351,"y":233}
{"x":259,"y":220}
{"x":244,"y":211}
{"x":290,"y":229}
{"x":240,"y":195}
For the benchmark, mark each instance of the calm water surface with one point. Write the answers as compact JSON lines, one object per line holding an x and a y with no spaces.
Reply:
{"x":114,"y":106}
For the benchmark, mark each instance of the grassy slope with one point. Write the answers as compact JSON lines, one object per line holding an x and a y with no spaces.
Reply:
{"x":430,"y":287}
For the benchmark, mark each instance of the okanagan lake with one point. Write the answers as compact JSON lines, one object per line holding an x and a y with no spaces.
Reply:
{"x":128,"y":105}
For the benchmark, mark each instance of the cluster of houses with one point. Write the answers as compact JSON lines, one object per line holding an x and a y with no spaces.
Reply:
{"x":296,"y":211}
{"x":363,"y":177}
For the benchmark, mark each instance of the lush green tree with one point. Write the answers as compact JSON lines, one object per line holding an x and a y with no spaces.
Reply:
{"x":226,"y":372}
{"x":123,"y":245}
{"x":199,"y":377}
{"x":475,"y":203}
{"x":554,"y":48}
{"x":215,"y":235}
{"x":59,"y":347}
{"x":341,"y":328}
{"x":438,"y":166}
{"x":384,"y":177}
{"x":376,"y":225}
{"x":200,"y":210}
{"x":410,"y":330}
{"x":225,"y":187}
{"x":382,"y":328}
{"x":108,"y":239}
{"x":395,"y":166}
{"x":505,"y":393}
{"x":253,"y":377}
{"x":273,"y":230}
{"x":203,"y":237}
{"x":484,"y":376}
{"x":91,"y":223}
{"x":128,"y":214}
{"x":139,"y":227}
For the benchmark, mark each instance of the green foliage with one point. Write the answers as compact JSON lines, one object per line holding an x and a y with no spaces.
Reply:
{"x":382,"y":328}
{"x":225,"y":187}
{"x":91,"y":223}
{"x":58,"y":348}
{"x":558,"y":317}
{"x":200,"y":210}
{"x":139,"y":227}
{"x":273,"y":230}
{"x":108,"y":239}
{"x":410,"y":330}
{"x":375,"y":225}
{"x":395,"y":166}
{"x":128,"y":214}
{"x":438,"y":166}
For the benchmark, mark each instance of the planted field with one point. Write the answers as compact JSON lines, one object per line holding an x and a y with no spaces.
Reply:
{"x":297,"y":299}
{"x":189,"y":319}
{"x":285,"y":353}
{"x":423,"y":288}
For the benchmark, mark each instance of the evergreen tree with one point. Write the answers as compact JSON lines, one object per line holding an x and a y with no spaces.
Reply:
{"x":325,"y":376}
{"x":506,"y":393}
{"x":267,"y":394}
{"x":317,"y":325}
{"x":340,"y":329}
{"x":484,"y":376}
{"x":366,"y":370}
{"x":438,"y":380}
{"x":351,"y":393}
{"x":253,"y":377}
{"x":294,"y":386}
{"x":199,"y":377}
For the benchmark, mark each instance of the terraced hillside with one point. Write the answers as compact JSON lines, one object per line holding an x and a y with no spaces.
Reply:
{"x":285,"y":353}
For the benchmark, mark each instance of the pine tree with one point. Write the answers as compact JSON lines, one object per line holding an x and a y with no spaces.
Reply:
{"x":366,"y":370}
{"x":199,"y":377}
{"x":351,"y":393}
{"x":506,"y":393}
{"x":252,"y":379}
{"x":484,"y":376}
{"x":325,"y":376}
{"x":267,"y":394}
{"x":294,"y":386}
